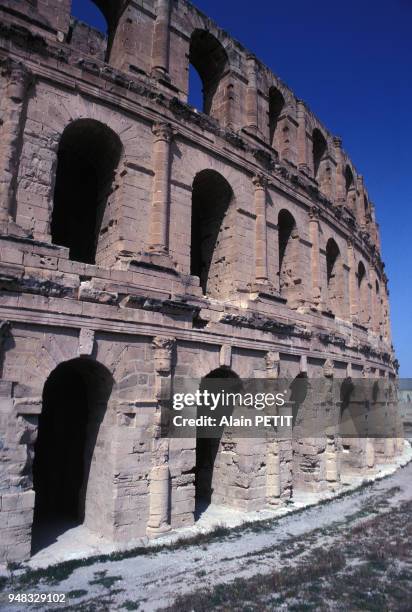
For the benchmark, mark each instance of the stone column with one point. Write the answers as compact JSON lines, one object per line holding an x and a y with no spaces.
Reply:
{"x":353,"y":289}
{"x":261,"y":263}
{"x":273,"y":476}
{"x":331,"y":460}
{"x":361,"y":201}
{"x":161,"y":39}
{"x":369,"y":306}
{"x":369,"y":448}
{"x":370,"y":453}
{"x":229,"y":105}
{"x":340,"y":178}
{"x":374,"y":297}
{"x":159,"y":501}
{"x":18,"y":79}
{"x":273,"y":471}
{"x":252,"y":104}
{"x":374,"y":227}
{"x":163,"y":353}
{"x":272,"y":361}
{"x":159,"y":488}
{"x":332,"y":438}
{"x":159,"y":222}
{"x":386,"y":319}
{"x":314,"y":215}
{"x":303,"y":158}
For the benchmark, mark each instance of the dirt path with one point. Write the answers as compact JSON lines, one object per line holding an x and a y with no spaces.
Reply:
{"x":153,"y":580}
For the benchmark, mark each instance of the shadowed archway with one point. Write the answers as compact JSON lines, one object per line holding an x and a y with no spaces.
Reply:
{"x":207,"y":472}
{"x":211,"y":232}
{"x":208,"y":57}
{"x":71,"y":469}
{"x":88,"y":156}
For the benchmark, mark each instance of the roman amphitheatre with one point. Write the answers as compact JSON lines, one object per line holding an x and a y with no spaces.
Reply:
{"x":144,"y":242}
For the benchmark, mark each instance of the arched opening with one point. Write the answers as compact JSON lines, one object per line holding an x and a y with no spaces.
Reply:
{"x":211,"y":475}
{"x":306,"y":458}
{"x":361,"y":273}
{"x":210,"y":232}
{"x":365,"y":203}
{"x":89,"y":29}
{"x":94,"y":26}
{"x":276,"y":106}
{"x":349,"y":180}
{"x":90,"y":12}
{"x":319,"y":150}
{"x":288,"y":254}
{"x":208,"y":57}
{"x":350,"y":190}
{"x":298,"y":393}
{"x":363,"y":294}
{"x":334,"y":278}
{"x":195,"y":97}
{"x":88,"y":156}
{"x":71,"y":476}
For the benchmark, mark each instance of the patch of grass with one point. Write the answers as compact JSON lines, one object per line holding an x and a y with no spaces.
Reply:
{"x":253,"y":590}
{"x":322,"y":580}
{"x":76,"y":593}
{"x":94,"y":604}
{"x":55,"y":574}
{"x":52,"y":575}
{"x":130,"y":605}
{"x":105,"y":581}
{"x":302,"y":607}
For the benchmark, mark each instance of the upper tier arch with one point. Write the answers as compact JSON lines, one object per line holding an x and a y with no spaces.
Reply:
{"x":160,"y":37}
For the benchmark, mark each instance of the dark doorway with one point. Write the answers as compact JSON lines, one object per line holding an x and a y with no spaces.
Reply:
{"x":89,"y":153}
{"x":68,"y":428}
{"x":207,"y":449}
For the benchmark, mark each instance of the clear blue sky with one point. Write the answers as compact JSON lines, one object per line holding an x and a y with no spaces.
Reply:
{"x":351,"y":62}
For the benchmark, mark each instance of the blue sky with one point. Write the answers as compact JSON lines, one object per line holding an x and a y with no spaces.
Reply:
{"x":351,"y":63}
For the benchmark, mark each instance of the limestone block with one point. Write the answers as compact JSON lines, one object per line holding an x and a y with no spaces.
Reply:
{"x":86,"y":342}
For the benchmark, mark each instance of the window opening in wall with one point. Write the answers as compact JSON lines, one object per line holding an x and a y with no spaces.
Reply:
{"x":89,"y":12}
{"x":88,"y":156}
{"x":209,"y":62}
{"x":287,"y":259}
{"x":319,"y":150}
{"x":210,"y":234}
{"x":276,"y":105}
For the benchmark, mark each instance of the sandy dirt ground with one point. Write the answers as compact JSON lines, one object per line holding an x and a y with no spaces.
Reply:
{"x":154,"y":579}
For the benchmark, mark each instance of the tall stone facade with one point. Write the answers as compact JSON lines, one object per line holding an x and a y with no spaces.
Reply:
{"x":142,"y":241}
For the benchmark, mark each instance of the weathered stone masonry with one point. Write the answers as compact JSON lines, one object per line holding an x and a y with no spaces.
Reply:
{"x":143,"y":241}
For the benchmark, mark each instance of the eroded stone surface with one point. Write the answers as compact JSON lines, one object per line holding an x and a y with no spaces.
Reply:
{"x":143,"y":241}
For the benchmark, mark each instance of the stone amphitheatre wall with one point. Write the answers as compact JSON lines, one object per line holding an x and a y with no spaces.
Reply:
{"x":143,"y":240}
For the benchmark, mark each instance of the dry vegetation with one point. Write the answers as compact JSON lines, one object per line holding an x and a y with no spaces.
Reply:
{"x":361,"y":561}
{"x":368,"y":567}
